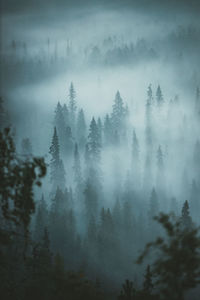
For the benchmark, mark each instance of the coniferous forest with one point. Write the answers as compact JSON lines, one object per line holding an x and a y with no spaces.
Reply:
{"x":100,"y":150}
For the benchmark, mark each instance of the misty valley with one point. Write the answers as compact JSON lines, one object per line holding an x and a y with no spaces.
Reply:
{"x":100,"y":151}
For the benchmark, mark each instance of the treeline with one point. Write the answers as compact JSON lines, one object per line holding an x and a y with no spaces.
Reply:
{"x":97,"y":216}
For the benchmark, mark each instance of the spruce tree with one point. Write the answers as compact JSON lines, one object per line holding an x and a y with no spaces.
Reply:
{"x":91,"y":200}
{"x":94,"y":143}
{"x":135,"y":162}
{"x":100,"y":129}
{"x":69,"y":141}
{"x":57,"y":172}
{"x":107,"y":129}
{"x":72,"y":108}
{"x":159,"y":97}
{"x":186,"y":220}
{"x":148,"y":119}
{"x":65,"y":113}
{"x":118,"y":116}
{"x":78,"y":177}
{"x":81,"y":129}
{"x":60,"y":125}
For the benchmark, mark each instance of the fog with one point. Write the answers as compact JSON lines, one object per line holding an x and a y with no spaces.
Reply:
{"x":137,"y":62}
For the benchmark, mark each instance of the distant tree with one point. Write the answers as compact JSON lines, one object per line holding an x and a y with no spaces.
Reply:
{"x":91,"y":200}
{"x":149,"y":96}
{"x":72,"y":107}
{"x":57,"y":172}
{"x":81,"y":129}
{"x":60,"y":125}
{"x":186,"y":220}
{"x":118,"y":115}
{"x":106,"y":237}
{"x":100,"y":129}
{"x":107,"y":129}
{"x":128,"y":291}
{"x":148,"y":117}
{"x":94,"y":145}
{"x":69,"y":141}
{"x":78,"y":180}
{"x":135,"y":161}
{"x":59,"y":203}
{"x":65,"y":113}
{"x":159,"y":97}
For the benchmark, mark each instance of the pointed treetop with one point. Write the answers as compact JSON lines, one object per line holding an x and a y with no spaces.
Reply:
{"x":159,"y":96}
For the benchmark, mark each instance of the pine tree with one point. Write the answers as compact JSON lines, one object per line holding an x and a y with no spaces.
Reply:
{"x":59,"y":202}
{"x":148,"y":116}
{"x":91,"y":200}
{"x":77,"y":166}
{"x":87,"y":160}
{"x":57,"y":172}
{"x":69,"y":141}
{"x":94,"y":142}
{"x":60,"y":125}
{"x":135,"y":163}
{"x":107,"y":129}
{"x":81,"y":129}
{"x":100,"y":129}
{"x":186,"y":220}
{"x":78,"y":176}
{"x":159,"y":97}
{"x":118,"y":116}
{"x":65,"y":113}
{"x":72,"y":107}
{"x":149,"y":96}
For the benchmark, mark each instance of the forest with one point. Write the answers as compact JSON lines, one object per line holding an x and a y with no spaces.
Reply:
{"x":100,"y":155}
